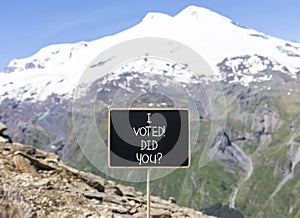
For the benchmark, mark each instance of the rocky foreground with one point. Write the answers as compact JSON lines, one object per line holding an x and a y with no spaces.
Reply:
{"x":34,"y":183}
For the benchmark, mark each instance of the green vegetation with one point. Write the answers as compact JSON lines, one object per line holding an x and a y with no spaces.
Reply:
{"x":210,"y":187}
{"x":249,"y":148}
{"x":197,"y":187}
{"x":256,"y":190}
{"x":297,"y":139}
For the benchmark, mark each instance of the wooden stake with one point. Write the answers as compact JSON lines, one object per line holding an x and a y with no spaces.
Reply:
{"x":148,"y":193}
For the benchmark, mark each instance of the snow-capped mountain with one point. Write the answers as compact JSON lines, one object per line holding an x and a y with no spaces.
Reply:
{"x":259,"y":76}
{"x":236,"y":53}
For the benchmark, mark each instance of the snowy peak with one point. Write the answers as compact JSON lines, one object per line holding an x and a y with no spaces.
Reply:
{"x":191,"y":12}
{"x":235,"y":53}
{"x":199,"y":13}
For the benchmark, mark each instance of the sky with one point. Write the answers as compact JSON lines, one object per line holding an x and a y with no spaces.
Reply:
{"x":28,"y":25}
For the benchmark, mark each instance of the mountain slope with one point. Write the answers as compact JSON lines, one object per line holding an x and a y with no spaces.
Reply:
{"x":36,"y":184}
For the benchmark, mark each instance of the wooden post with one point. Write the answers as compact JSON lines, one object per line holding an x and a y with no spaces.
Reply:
{"x":148,"y":193}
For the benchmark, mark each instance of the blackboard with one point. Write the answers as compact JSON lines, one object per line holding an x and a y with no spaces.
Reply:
{"x":148,"y":138}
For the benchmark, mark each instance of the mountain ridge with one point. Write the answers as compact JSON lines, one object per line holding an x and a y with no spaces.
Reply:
{"x":66,"y":62}
{"x":35,"y":183}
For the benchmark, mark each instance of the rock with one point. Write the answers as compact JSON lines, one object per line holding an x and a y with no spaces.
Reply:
{"x":188,"y":210}
{"x":132,"y":203}
{"x":160,"y":213}
{"x":178,"y":215}
{"x":52,"y":157}
{"x":23,"y":164}
{"x":119,"y":209}
{"x":3,"y":127}
{"x":122,"y":216}
{"x":44,"y":182}
{"x":49,"y":188}
{"x":11,"y":210}
{"x":140,"y":215}
{"x":154,"y":214}
{"x":12,"y":203}
{"x":92,"y":180}
{"x":172,"y":200}
{"x":127,"y":190}
{"x":3,"y":140}
{"x":34,"y":161}
{"x":87,"y":213}
{"x":90,"y":195}
{"x":113,"y":190}
{"x":133,"y":210}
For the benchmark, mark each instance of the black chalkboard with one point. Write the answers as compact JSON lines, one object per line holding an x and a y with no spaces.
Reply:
{"x":148,"y":138}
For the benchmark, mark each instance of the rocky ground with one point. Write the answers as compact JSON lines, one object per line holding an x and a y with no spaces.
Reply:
{"x":35,"y":183}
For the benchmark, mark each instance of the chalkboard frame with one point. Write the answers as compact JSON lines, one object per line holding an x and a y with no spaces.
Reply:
{"x":188,"y":158}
